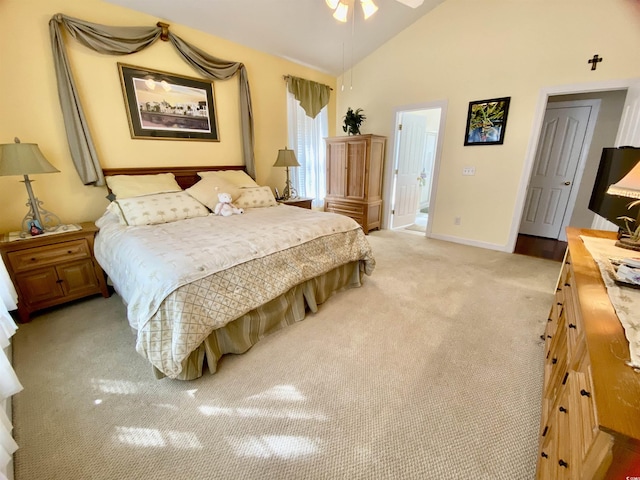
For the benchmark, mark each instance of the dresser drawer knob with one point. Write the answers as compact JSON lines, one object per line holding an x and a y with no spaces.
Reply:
{"x":562,"y":409}
{"x":544,"y":455}
{"x":571,"y":325}
{"x":562,"y":463}
{"x":554,"y":360}
{"x":567,"y":284}
{"x":584,"y":393}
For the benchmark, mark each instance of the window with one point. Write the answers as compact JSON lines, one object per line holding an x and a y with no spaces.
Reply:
{"x":306,"y":139}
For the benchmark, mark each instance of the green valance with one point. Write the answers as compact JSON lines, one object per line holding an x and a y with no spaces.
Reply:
{"x":313,"y":96}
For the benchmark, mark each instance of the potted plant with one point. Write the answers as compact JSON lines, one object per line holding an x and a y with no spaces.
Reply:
{"x":352,"y":121}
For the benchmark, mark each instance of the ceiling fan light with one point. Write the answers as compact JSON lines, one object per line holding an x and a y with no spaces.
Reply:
{"x":341,"y":13}
{"x":412,"y":3}
{"x":368,"y":8}
{"x":332,"y":3}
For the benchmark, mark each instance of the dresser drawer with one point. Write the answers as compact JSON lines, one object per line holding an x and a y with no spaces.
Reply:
{"x":23,"y":260}
{"x":345,"y":208}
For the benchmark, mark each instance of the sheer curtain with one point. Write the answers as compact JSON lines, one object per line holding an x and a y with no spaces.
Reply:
{"x":306,"y":138}
{"x":9,"y":384}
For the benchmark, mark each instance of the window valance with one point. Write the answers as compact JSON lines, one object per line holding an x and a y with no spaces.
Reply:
{"x":313,"y":96}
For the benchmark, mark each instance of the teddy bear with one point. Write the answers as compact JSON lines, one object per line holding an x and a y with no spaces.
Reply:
{"x":224,"y":206}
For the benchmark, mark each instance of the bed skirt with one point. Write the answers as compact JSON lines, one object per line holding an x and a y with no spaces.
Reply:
{"x":241,"y":334}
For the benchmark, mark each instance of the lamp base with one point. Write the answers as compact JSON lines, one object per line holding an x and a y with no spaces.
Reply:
{"x":628,"y":244}
{"x":38,"y":220}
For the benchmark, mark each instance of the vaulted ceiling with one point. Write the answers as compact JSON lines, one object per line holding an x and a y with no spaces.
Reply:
{"x":302,"y":31}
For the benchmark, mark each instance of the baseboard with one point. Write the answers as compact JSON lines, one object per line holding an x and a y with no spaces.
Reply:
{"x":472,"y":243}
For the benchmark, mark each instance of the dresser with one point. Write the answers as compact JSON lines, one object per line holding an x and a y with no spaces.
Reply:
{"x":53,"y":269}
{"x":590,"y":421}
{"x":354,"y":178}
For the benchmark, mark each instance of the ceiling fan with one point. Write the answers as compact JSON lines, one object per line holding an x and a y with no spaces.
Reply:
{"x":341,"y":7}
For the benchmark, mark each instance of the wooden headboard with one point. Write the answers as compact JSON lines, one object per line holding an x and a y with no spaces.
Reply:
{"x":185,"y":176}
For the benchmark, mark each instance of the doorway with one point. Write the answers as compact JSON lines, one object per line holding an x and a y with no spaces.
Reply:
{"x":617,"y":122}
{"x":415,"y":161}
{"x":563,"y":147}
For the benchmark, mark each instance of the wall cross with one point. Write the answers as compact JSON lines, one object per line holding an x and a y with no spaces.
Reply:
{"x":594,"y":62}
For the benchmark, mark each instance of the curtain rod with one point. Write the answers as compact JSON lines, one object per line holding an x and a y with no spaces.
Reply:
{"x":286,"y":77}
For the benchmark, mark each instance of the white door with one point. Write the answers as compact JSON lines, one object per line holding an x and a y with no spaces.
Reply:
{"x":410,"y":156}
{"x":559,"y":150}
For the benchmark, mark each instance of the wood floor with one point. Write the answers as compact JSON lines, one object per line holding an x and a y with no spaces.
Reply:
{"x":540,"y":247}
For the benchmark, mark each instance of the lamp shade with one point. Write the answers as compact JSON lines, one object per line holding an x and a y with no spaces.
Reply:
{"x":286,"y":158}
{"x":23,"y":159}
{"x":629,"y":185}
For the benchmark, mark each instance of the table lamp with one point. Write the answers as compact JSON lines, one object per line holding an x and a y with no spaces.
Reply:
{"x":287,"y":158}
{"x":24,"y":159}
{"x":629,"y":186}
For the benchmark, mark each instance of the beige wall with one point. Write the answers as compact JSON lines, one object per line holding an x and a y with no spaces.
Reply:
{"x":467,"y":50}
{"x":30,"y":108}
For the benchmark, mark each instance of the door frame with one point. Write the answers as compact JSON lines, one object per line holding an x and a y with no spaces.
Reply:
{"x":389,"y":175}
{"x":582,"y":160}
{"x":541,"y":107}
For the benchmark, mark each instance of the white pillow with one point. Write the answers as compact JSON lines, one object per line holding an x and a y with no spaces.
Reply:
{"x":236,"y":177}
{"x":206,"y":191}
{"x":160,"y":208}
{"x":256,"y":197}
{"x":128,"y":186}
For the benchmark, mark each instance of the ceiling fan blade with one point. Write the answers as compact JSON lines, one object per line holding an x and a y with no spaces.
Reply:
{"x":411,"y":3}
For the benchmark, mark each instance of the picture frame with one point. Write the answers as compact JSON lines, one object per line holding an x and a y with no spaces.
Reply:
{"x":487,"y":121}
{"x":166,"y":106}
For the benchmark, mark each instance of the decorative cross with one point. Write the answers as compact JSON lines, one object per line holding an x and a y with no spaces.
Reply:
{"x":594,"y":62}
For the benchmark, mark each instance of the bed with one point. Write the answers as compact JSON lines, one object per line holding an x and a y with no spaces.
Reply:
{"x":198,"y":286}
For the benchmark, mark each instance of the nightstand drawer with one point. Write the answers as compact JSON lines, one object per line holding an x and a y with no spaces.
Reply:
{"x":28,"y":259}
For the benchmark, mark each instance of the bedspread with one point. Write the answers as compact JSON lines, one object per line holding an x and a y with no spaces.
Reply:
{"x":184,"y":279}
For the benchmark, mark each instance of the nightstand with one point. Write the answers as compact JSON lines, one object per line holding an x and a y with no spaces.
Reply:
{"x":299,"y":202}
{"x":52,"y":269}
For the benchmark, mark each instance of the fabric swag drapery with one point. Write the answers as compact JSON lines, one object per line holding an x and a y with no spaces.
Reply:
{"x":313,"y":96}
{"x":123,"y":41}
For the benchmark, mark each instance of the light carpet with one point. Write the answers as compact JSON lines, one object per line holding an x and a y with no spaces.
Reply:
{"x":431,"y":370}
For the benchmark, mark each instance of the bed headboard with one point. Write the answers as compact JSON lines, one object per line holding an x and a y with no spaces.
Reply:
{"x":185,"y":176}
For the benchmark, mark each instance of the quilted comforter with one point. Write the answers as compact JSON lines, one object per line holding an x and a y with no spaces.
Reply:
{"x":181,"y":280}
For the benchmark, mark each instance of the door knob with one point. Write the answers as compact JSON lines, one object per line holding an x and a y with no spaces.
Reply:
{"x":567,"y":183}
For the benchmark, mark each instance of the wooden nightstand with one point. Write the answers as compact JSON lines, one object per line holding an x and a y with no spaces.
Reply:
{"x":299,"y":202}
{"x":53,"y":269}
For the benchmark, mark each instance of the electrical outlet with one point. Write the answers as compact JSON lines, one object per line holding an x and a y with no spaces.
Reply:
{"x":457,"y":220}
{"x":469,"y":171}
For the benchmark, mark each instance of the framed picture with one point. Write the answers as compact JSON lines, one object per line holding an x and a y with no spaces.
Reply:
{"x":487,"y":121}
{"x":162,"y":105}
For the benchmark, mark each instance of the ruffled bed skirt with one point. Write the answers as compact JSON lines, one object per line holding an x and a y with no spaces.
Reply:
{"x":241,"y":334}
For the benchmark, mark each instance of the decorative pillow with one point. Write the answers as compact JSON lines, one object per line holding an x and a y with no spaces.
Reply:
{"x":206,"y":191}
{"x":236,"y":177}
{"x":255,"y":198}
{"x":160,"y":208}
{"x":128,"y":186}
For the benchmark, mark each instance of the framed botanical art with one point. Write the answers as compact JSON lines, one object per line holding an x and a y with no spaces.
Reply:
{"x":487,"y":121}
{"x":163,"y":105}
